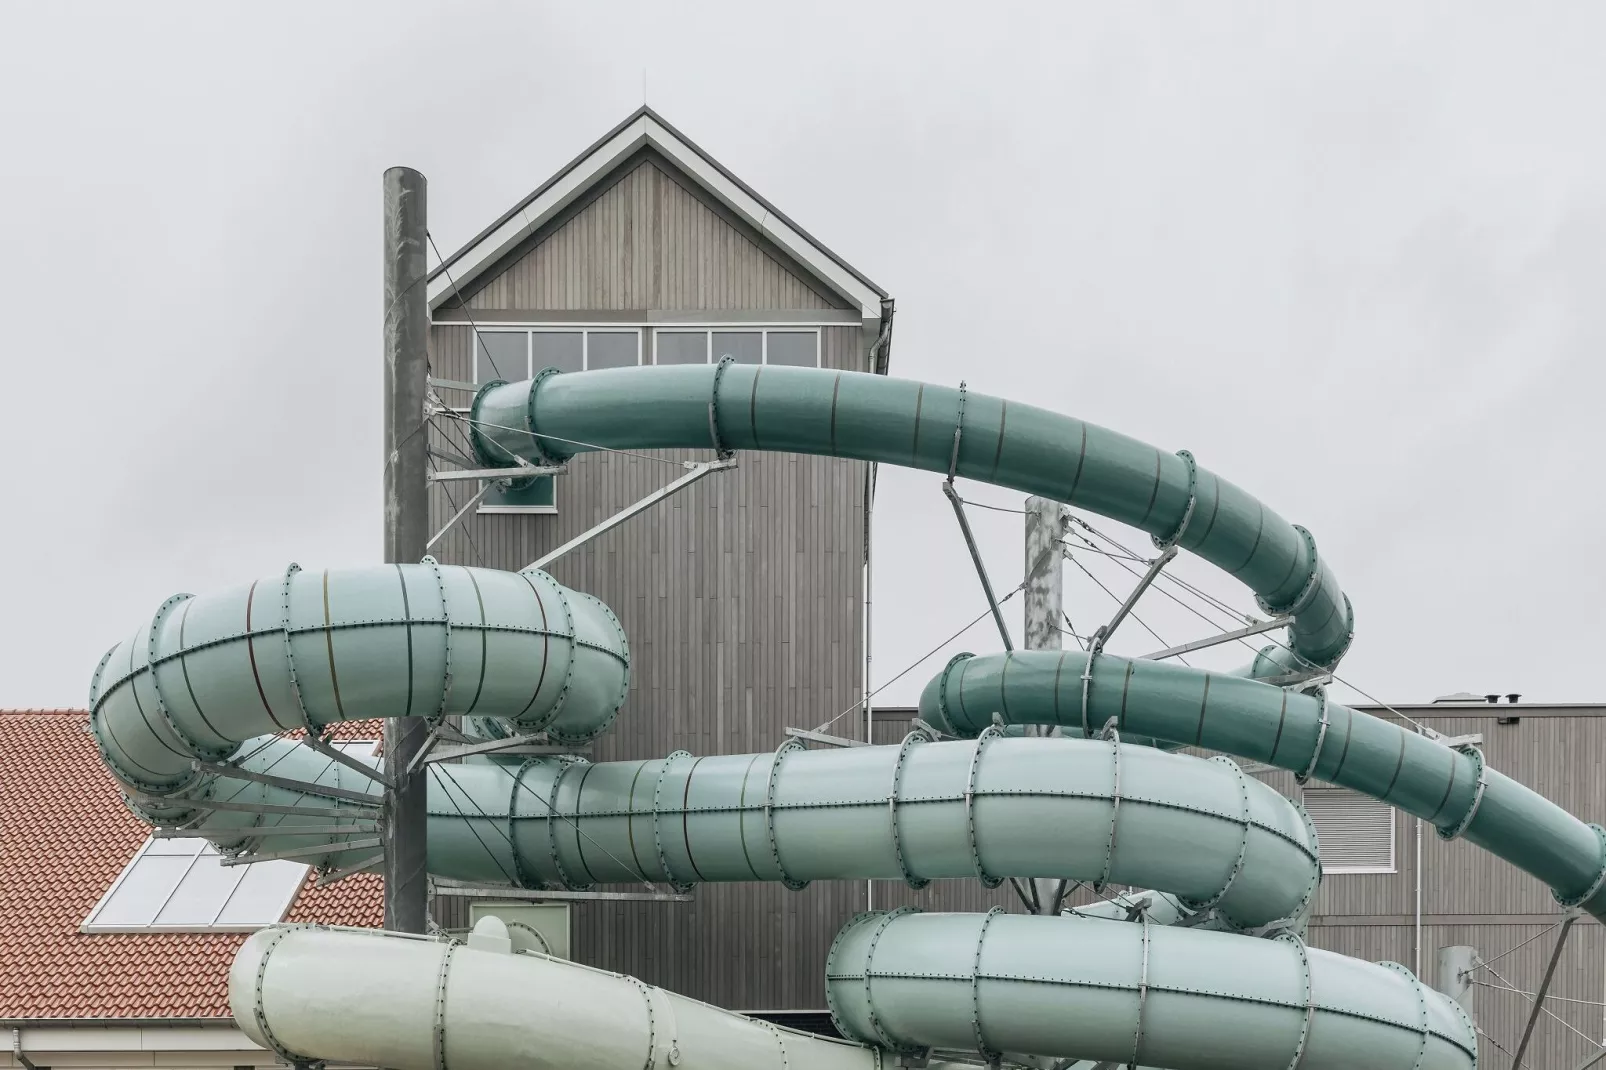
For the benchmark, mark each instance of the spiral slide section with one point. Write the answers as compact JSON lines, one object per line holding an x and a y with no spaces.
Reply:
{"x":198,"y":697}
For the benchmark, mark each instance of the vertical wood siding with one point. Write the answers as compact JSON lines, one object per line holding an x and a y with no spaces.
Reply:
{"x":648,"y":241}
{"x":742,"y":599}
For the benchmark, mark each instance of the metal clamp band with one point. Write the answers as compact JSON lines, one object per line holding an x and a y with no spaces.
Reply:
{"x":1310,"y":996}
{"x":1114,"y":736}
{"x":657,"y":834}
{"x":1187,"y":512}
{"x":652,"y":1022}
{"x":991,"y":1054}
{"x":290,"y":657}
{"x":478,"y":444}
{"x":1477,"y":794}
{"x":987,"y":879}
{"x":568,"y":762}
{"x":524,"y":878}
{"x":1143,"y":996}
{"x":959,"y":430}
{"x":720,"y":449}
{"x":440,"y":1006}
{"x":869,"y":957}
{"x":892,"y":809}
{"x":568,"y":671}
{"x":542,"y":457}
{"x":195,"y":747}
{"x":1095,"y":647}
{"x":260,"y":1011}
{"x":949,"y":724}
{"x":446,"y":623}
{"x":1600,"y":878}
{"x":1308,"y":590}
{"x":1321,"y":737}
{"x":1243,"y":844}
{"x":769,"y":812}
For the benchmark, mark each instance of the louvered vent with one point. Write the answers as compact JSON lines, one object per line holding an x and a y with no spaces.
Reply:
{"x":1355,"y":832}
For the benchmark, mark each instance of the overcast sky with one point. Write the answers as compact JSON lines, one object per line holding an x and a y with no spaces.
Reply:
{"x":1354,"y":260}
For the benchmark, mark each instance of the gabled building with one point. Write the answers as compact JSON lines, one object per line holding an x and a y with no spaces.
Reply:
{"x":114,"y":947}
{"x":743,"y":595}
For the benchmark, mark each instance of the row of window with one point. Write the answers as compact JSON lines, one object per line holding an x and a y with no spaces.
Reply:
{"x":517,"y":353}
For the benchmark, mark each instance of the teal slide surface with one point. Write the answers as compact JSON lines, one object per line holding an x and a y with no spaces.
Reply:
{"x":212,"y":682}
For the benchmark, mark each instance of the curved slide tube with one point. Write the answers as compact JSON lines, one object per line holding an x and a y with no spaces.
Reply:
{"x":305,"y":651}
{"x":939,"y":429}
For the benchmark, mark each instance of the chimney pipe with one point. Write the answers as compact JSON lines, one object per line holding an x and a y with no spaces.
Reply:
{"x":1492,"y":699}
{"x":1513,"y":698}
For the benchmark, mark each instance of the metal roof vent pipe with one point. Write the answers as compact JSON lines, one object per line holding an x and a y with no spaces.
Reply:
{"x":1492,"y":699}
{"x":1513,"y":698}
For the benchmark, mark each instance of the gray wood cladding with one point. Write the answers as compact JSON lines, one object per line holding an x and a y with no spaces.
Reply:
{"x":648,"y":241}
{"x":742,"y":598}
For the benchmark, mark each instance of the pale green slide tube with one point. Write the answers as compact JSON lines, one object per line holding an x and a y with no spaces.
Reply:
{"x":1132,"y":993}
{"x":211,"y":681}
{"x":1310,"y":734}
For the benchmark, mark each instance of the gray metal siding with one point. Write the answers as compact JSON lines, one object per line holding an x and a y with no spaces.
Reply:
{"x":742,"y":597}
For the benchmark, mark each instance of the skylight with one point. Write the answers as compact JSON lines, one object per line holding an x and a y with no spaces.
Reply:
{"x":178,"y":885}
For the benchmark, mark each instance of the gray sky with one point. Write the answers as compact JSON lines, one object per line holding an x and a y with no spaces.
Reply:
{"x":1352,"y":259}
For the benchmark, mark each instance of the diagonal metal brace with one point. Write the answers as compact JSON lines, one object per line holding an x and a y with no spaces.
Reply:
{"x":696,"y":471}
{"x":1137,"y":592}
{"x":315,"y":851}
{"x":327,"y":791}
{"x":335,"y":754}
{"x":1217,"y":640}
{"x":975,"y":557}
{"x":1544,"y":987}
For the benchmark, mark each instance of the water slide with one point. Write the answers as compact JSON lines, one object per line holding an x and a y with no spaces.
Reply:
{"x":192,"y":714}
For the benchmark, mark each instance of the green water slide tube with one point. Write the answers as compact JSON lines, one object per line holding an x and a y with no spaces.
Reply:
{"x":178,"y":709}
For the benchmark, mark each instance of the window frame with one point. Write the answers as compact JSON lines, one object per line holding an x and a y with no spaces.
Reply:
{"x":1343,"y":869}
{"x":90,"y":925}
{"x":763,"y":330}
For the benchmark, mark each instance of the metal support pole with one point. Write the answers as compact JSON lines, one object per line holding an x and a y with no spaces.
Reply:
{"x":1544,"y":986}
{"x":1045,"y":598}
{"x":1455,"y":974}
{"x":406,"y":521}
{"x":975,"y":557}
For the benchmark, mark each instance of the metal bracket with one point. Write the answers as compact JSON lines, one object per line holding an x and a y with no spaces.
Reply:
{"x":315,"y":851}
{"x":816,"y":736}
{"x":892,"y":809}
{"x":335,"y":754}
{"x":975,"y":553}
{"x":497,"y":475}
{"x":1321,"y":737}
{"x":327,"y":791}
{"x":256,"y":831}
{"x":538,"y":743}
{"x":335,"y":876}
{"x":475,"y":890}
{"x":694,"y":473}
{"x":1137,"y":592}
{"x":1544,"y":987}
{"x":1217,"y":640}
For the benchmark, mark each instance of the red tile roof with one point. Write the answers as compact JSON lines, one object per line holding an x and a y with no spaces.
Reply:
{"x":64,"y":837}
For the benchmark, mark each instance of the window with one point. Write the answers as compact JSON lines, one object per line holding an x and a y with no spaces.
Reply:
{"x":798,"y":347}
{"x":517,"y":353}
{"x":1355,"y":832}
{"x":179,"y":885}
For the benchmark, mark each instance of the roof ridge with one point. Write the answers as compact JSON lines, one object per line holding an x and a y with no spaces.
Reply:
{"x":45,"y":711}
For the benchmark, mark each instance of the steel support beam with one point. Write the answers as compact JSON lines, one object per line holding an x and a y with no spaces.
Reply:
{"x":335,"y":754}
{"x":1044,"y":592}
{"x":1544,"y":987}
{"x":458,"y":516}
{"x":497,"y":474}
{"x":499,"y":891}
{"x":268,"y":830}
{"x":406,"y":531}
{"x":975,"y":558}
{"x":696,"y":472}
{"x":1593,"y":1060}
{"x":315,"y":851}
{"x":1217,"y":640}
{"x":535,"y":744}
{"x":305,"y":787}
{"x":356,"y":813}
{"x":823,"y":737}
{"x":1137,"y":592}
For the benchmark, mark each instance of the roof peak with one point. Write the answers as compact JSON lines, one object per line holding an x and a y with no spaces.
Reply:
{"x":646,"y":127}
